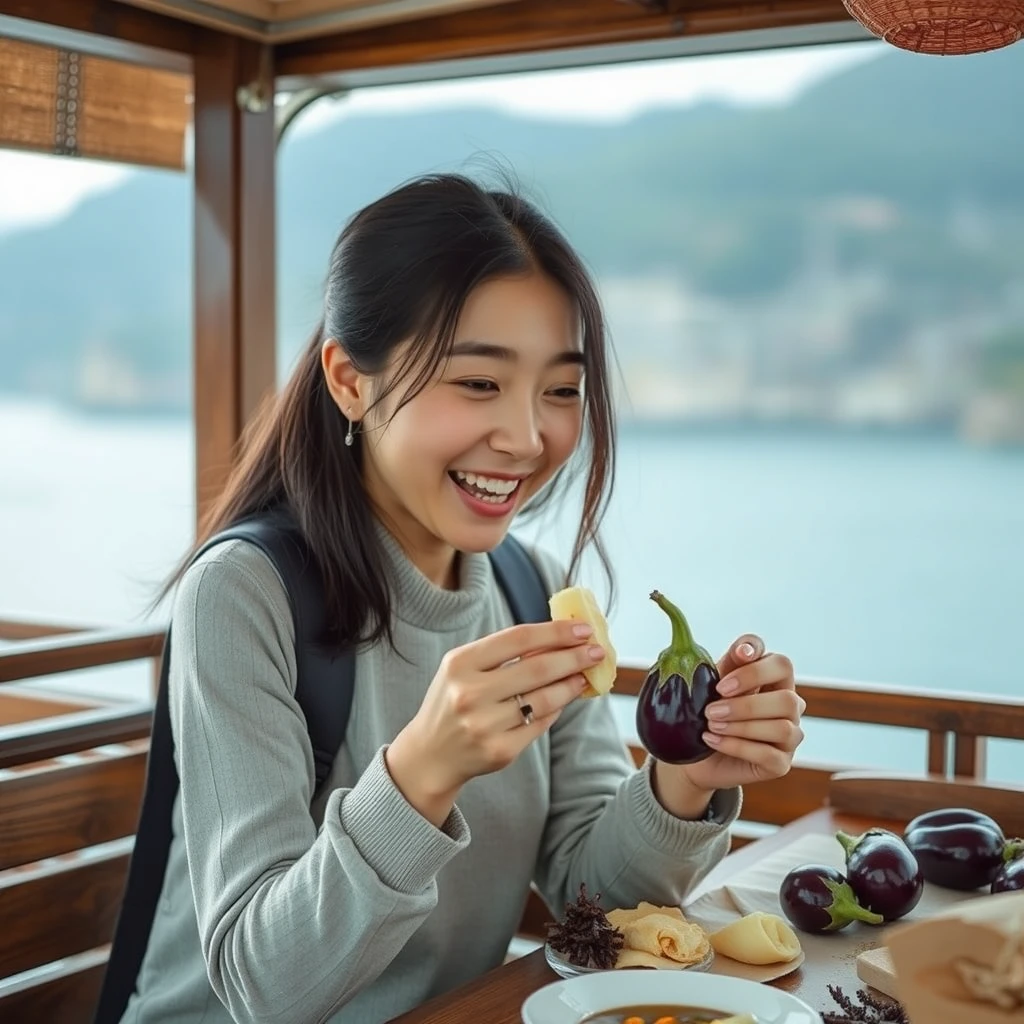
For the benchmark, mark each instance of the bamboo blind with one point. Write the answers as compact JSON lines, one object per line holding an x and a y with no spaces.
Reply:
{"x":59,"y":101}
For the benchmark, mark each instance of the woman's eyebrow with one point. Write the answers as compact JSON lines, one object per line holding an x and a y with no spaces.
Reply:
{"x":489,"y":350}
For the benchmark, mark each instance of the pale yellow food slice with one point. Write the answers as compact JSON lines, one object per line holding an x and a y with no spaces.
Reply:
{"x":634,"y":958}
{"x":757,"y":938}
{"x":623,"y":916}
{"x":579,"y":604}
{"x":662,"y":935}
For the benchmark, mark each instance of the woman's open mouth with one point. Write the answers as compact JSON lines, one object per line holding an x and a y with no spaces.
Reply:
{"x":486,"y":494}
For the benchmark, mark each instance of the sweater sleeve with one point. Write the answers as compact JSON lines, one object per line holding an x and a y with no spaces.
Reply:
{"x":606,"y":827}
{"x":293,"y":921}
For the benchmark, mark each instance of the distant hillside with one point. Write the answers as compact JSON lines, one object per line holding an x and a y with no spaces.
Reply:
{"x":725,"y":198}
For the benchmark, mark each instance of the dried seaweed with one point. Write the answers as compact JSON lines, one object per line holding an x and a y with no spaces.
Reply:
{"x":586,"y":937}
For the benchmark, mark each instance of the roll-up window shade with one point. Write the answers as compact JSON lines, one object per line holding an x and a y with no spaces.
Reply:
{"x":59,"y":101}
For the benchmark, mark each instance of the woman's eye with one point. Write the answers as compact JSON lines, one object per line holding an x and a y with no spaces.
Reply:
{"x":477,"y":385}
{"x":566,"y":392}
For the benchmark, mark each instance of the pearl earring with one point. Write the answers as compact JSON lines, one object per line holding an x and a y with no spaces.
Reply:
{"x":349,"y":436}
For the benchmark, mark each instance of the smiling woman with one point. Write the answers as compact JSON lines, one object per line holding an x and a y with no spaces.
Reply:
{"x":458,"y":370}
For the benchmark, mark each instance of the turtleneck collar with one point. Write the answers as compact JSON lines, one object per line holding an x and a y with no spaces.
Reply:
{"x":420,"y":602}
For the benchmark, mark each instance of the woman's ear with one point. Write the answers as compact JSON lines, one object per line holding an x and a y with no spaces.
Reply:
{"x":348,"y":387}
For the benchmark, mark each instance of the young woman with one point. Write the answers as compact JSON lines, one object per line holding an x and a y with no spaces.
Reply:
{"x":459,"y":369}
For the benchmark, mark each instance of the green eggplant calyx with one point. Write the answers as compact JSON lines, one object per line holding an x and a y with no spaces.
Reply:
{"x":845,"y":907}
{"x":848,"y":843}
{"x":683,"y":655}
{"x":1013,"y":849}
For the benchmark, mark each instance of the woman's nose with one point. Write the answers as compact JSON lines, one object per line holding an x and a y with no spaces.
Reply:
{"x":519,"y":433}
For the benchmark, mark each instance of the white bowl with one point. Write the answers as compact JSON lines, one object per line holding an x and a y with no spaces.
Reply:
{"x":572,"y":1001}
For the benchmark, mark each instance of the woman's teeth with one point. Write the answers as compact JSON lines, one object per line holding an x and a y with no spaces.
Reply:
{"x":486,"y":488}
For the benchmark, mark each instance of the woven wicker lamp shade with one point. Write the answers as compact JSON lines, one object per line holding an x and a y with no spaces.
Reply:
{"x":942,"y":26}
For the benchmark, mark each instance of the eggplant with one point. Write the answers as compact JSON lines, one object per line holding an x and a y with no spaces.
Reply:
{"x":817,"y":898}
{"x":951,"y":816}
{"x":1010,"y":877}
{"x":670,"y":711}
{"x":959,"y":848}
{"x":882,"y":872}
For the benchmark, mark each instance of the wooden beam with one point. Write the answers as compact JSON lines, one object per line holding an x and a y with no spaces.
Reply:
{"x":66,"y":734}
{"x":106,"y":28}
{"x":234,"y":263}
{"x":17,"y":629}
{"x":56,"y":808}
{"x":534,"y":25}
{"x":56,"y":909}
{"x":52,"y":655}
{"x":902,"y":797}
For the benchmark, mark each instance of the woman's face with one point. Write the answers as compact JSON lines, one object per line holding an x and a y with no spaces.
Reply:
{"x":449,"y":470}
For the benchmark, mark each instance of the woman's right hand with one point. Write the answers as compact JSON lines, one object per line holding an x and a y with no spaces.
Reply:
{"x":470,"y":722}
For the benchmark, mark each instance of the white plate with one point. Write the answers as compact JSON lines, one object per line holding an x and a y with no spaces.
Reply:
{"x":570,"y":1002}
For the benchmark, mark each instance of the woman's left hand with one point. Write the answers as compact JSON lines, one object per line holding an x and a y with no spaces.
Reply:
{"x":754,"y":728}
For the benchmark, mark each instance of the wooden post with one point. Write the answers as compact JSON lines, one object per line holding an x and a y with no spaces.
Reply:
{"x":234,"y":266}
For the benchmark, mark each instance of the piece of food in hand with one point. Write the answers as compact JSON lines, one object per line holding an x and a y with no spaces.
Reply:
{"x":757,"y":938}
{"x":883,"y":873}
{"x":585,"y":937}
{"x":671,"y":709}
{"x":817,"y":898}
{"x":579,"y":605}
{"x":959,"y":848}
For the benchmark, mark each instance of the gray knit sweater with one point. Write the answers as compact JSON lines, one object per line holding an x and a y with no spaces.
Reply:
{"x":283,"y":909}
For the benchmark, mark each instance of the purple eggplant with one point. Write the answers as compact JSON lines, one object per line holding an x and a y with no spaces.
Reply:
{"x":1010,"y":877}
{"x":959,"y":848}
{"x":670,"y":711}
{"x":882,"y":872}
{"x":818,"y":898}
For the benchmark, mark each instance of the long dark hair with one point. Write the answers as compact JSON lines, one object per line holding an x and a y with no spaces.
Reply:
{"x":403,"y":268}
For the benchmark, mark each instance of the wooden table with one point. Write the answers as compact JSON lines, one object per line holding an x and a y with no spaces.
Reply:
{"x":496,"y":997}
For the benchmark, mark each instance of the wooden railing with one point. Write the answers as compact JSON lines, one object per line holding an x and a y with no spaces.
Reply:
{"x":957,"y":725}
{"x":16,"y":629}
{"x":54,"y":654}
{"x":50,"y":728}
{"x":52,"y":806}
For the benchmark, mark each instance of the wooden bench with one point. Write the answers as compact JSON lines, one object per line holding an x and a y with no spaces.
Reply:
{"x":70,"y":787}
{"x":67,"y":827}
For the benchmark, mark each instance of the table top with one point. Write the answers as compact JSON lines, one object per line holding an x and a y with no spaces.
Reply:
{"x":496,"y":997}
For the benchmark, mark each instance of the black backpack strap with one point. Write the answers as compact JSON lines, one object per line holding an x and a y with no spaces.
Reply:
{"x":520,"y":581}
{"x":324,"y":687}
{"x":325,"y":680}
{"x":152,"y":844}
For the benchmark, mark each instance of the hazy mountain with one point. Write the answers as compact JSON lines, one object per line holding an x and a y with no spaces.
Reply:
{"x":728,"y":199}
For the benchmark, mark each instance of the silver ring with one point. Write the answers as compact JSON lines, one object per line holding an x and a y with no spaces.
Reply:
{"x":526,"y":710}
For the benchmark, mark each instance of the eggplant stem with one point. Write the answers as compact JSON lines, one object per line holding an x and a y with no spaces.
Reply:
{"x":845,"y":906}
{"x":847,"y":842}
{"x":682,"y":638}
{"x":682,"y":656}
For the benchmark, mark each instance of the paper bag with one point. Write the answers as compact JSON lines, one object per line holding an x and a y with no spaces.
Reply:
{"x":963,"y":964}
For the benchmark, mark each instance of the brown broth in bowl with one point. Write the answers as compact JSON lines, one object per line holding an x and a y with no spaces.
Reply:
{"x":656,"y":1015}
